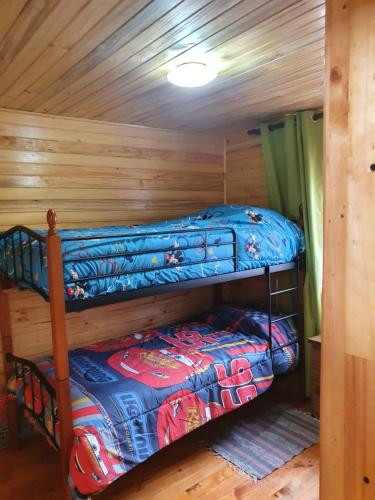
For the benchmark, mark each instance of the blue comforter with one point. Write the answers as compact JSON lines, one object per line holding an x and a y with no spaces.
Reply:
{"x":133,"y":395}
{"x":156,"y":254}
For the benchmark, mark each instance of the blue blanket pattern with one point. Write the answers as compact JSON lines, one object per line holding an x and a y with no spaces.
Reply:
{"x":263,"y":238}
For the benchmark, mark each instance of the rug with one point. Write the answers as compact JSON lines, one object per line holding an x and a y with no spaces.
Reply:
{"x":265,"y":440}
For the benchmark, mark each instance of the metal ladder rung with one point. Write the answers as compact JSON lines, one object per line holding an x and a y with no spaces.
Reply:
{"x":285,"y":317}
{"x":285,"y":290}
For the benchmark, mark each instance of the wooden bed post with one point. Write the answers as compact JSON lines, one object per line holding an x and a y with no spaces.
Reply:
{"x":7,"y":346}
{"x":60,"y":343}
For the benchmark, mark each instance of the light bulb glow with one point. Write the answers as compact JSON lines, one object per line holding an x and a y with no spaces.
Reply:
{"x":192,"y":74}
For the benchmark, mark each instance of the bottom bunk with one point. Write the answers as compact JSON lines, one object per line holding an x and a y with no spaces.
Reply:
{"x":134,"y":395}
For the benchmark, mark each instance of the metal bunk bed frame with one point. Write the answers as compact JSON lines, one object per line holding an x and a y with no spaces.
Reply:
{"x":58,"y":397}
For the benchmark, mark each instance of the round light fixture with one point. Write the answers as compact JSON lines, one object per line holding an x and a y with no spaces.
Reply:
{"x":192,"y":74}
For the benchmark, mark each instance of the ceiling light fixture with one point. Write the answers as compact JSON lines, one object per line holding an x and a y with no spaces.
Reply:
{"x":192,"y":74}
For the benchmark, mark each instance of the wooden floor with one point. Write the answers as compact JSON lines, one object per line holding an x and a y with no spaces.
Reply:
{"x":185,"y":470}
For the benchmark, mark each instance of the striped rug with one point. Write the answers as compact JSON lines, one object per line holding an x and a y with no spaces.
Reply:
{"x":265,"y":440}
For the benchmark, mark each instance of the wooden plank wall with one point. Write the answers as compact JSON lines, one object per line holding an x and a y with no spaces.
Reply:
{"x":348,"y":347}
{"x":245,"y":176}
{"x":97,"y":173}
{"x":245,"y":184}
{"x":93,"y":174}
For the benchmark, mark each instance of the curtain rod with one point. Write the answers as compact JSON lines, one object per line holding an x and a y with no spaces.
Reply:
{"x":275,"y":126}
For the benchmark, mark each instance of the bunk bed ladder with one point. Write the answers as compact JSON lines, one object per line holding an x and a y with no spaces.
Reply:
{"x":295,"y":290}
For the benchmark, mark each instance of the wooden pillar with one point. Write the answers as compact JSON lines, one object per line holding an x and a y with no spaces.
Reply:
{"x":59,"y":341}
{"x":7,"y":347}
{"x":348,"y":327}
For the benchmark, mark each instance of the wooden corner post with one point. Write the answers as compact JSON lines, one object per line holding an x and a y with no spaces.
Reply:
{"x":59,"y":341}
{"x":7,"y":347}
{"x":347,"y":390}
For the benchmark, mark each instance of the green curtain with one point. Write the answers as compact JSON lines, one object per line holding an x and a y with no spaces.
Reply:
{"x":293,"y":156}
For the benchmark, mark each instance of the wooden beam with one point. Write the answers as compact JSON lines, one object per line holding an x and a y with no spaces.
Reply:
{"x":348,"y":328}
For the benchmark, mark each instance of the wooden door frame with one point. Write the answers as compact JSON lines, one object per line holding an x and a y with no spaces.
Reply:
{"x":348,"y":324}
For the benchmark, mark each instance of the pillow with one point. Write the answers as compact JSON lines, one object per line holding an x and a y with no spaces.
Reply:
{"x":233,"y":319}
{"x":250,"y":322}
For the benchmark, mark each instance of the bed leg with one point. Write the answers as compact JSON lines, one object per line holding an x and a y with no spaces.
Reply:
{"x":64,"y":470}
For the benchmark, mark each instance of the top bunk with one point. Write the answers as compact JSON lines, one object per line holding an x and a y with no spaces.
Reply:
{"x":104,"y":265}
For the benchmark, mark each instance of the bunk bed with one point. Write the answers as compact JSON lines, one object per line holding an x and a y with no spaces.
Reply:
{"x":79,"y":269}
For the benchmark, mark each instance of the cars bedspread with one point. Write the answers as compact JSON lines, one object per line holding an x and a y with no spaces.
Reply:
{"x":157,"y":254}
{"x":134,"y":395}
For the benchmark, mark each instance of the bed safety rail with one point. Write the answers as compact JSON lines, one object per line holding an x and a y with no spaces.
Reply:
{"x":20,"y":243}
{"x":200,"y":235}
{"x":39,"y":396}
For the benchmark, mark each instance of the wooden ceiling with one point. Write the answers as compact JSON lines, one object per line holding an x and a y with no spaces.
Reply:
{"x":108,"y":59}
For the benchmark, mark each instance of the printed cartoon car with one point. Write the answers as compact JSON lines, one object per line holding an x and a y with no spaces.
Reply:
{"x":160,"y":367}
{"x":93,"y":463}
{"x":181,"y":413}
{"x":127,"y":341}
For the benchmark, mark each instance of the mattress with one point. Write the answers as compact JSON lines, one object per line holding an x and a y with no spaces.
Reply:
{"x":101,"y":261}
{"x":134,"y":395}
